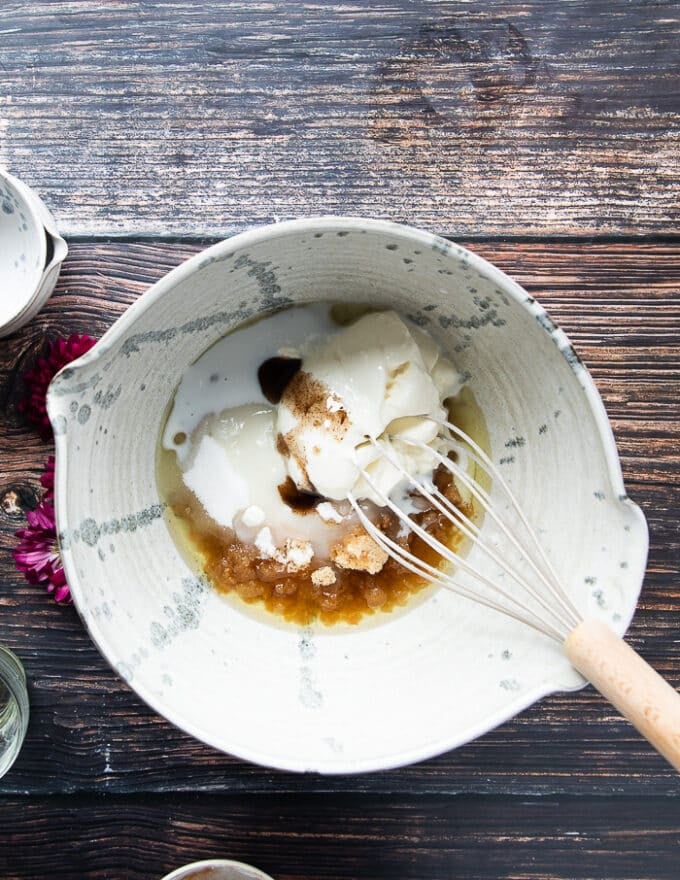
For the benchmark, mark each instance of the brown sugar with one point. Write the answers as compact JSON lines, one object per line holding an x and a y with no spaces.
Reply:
{"x":324,"y":589}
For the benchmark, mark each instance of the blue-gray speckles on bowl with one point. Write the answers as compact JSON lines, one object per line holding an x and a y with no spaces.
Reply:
{"x":373,"y":696}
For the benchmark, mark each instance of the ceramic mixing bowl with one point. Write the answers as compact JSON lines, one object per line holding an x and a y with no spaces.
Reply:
{"x":31,"y":254}
{"x":400,"y":687}
{"x":217,"y":869}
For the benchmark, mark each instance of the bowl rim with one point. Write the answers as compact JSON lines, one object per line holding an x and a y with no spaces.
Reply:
{"x":430,"y":240}
{"x":180,"y":873}
{"x":274,"y":230}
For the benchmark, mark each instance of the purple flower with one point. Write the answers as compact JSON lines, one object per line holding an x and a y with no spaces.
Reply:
{"x":61,"y":352}
{"x":37,"y":555}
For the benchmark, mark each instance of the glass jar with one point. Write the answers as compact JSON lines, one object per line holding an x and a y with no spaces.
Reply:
{"x":13,"y":708}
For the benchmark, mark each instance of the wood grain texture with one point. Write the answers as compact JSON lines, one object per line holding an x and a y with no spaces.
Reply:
{"x":484,"y":117}
{"x":620,"y":304}
{"x":344,"y":838}
{"x":152,"y":119}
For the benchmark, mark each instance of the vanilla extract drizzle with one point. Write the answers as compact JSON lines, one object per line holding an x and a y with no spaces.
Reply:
{"x":298,"y":500}
{"x":275,"y":374}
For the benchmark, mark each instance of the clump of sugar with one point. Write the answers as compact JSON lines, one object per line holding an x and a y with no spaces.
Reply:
{"x":324,"y":577}
{"x":253,"y":516}
{"x":328,"y":513}
{"x":358,"y":551}
{"x":295,"y":554}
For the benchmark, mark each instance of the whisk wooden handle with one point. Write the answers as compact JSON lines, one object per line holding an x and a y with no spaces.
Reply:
{"x":629,"y":683}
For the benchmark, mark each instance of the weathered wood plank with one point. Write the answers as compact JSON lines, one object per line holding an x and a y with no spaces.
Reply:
{"x":343,"y":838}
{"x":478,"y":118}
{"x":621,"y":305}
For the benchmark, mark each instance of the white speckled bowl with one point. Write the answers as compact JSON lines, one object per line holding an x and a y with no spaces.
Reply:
{"x":376,"y":696}
{"x":31,"y":254}
{"x":217,"y":869}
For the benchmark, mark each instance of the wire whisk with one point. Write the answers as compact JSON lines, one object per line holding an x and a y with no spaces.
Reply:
{"x":521,"y":582}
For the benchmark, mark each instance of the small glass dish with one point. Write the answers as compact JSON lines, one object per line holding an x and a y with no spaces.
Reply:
{"x":14,"y":710}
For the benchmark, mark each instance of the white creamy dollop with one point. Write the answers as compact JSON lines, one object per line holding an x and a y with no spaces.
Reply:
{"x":235,"y":470}
{"x":384,"y":383}
{"x":374,"y":385}
{"x":225,"y":376}
{"x":234,"y":467}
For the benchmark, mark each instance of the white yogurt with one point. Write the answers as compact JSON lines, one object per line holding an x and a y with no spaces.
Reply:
{"x":380,"y":372}
{"x":225,"y":376}
{"x":228,"y":456}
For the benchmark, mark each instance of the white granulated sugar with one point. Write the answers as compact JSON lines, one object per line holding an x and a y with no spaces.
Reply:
{"x":289,"y":351}
{"x":328,"y":513}
{"x":253,"y":516}
{"x":297,"y":554}
{"x":265,"y":543}
{"x":216,"y":482}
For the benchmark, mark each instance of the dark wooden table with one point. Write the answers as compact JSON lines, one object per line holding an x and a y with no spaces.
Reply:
{"x":543,"y":135}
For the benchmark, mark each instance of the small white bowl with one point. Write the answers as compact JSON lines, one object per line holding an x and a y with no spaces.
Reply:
{"x":400,"y":687}
{"x":217,"y":869}
{"x":31,"y":254}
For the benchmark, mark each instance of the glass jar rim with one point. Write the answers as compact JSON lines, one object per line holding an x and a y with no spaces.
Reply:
{"x":13,"y":676}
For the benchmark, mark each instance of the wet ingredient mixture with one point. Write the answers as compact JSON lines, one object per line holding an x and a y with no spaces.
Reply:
{"x":271,"y":431}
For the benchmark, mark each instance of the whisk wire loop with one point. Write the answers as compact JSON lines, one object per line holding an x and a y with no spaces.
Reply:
{"x":566,"y":615}
{"x":434,"y":576}
{"x":481,"y":458}
{"x":540,"y":602}
{"x":552,"y":613}
{"x":519,"y":611}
